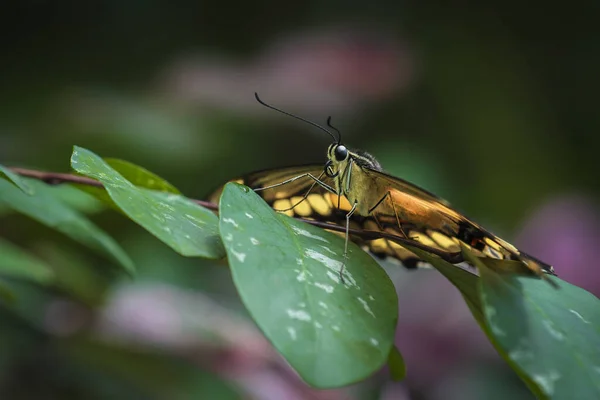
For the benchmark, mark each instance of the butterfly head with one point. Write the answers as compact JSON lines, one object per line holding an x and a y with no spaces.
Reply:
{"x":338,"y":156}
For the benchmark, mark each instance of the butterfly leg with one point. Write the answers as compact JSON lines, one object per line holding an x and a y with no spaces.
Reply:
{"x":389,"y":196}
{"x":348,"y":216}
{"x":387,"y":242}
{"x":301,"y":200}
{"x":307,"y":175}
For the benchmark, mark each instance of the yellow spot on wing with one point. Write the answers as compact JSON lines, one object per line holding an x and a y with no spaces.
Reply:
{"x":283,"y":206}
{"x":492,"y":244}
{"x":422,"y":238}
{"x":302,"y":208}
{"x":344,"y":203}
{"x":501,"y":245}
{"x":378,"y":246}
{"x":319,"y":204}
{"x":444,"y":241}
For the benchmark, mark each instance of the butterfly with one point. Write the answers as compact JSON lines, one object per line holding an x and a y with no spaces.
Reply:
{"x":352,"y":190}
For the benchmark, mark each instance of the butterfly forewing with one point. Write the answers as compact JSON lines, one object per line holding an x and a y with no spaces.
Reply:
{"x":293,"y":197}
{"x":431,"y":221}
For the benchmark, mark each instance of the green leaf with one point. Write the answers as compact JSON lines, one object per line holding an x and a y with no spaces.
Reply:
{"x":6,"y":294}
{"x":15,"y":179}
{"x":466,"y":282}
{"x":520,"y":314}
{"x":550,"y":336}
{"x":155,"y":375}
{"x":186,"y":227}
{"x":396,"y":364}
{"x":4,"y":209}
{"x":76,"y":198}
{"x":75,"y":275}
{"x":140,"y":176}
{"x":287,"y":273}
{"x":44,"y":207}
{"x":17,"y":263}
{"x":135,"y":174}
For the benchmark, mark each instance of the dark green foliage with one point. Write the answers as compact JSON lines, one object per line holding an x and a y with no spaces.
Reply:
{"x":49,"y":210}
{"x":287,"y":274}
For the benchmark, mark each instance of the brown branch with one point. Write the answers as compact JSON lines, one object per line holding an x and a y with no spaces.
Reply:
{"x":56,"y":178}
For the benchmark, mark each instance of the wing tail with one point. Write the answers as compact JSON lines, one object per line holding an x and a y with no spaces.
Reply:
{"x":546,"y":268}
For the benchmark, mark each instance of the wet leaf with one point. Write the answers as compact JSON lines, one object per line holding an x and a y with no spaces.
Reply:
{"x":396,"y":364}
{"x":186,"y":227}
{"x":550,"y":336}
{"x":287,"y":273}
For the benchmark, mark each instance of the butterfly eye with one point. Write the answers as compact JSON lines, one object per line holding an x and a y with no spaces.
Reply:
{"x":329,"y":170}
{"x":341,"y":152}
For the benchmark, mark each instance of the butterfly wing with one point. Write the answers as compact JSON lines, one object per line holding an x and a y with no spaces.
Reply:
{"x":424,"y":217}
{"x":301,"y":197}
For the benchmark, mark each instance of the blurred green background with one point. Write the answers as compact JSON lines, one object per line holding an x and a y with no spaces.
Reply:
{"x":490,"y":106}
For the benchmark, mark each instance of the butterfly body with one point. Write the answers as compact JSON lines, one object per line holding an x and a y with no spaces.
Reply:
{"x":361,"y":180}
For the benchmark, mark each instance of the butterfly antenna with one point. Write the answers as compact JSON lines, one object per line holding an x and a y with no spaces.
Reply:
{"x":294,"y":116}
{"x":335,"y":129}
